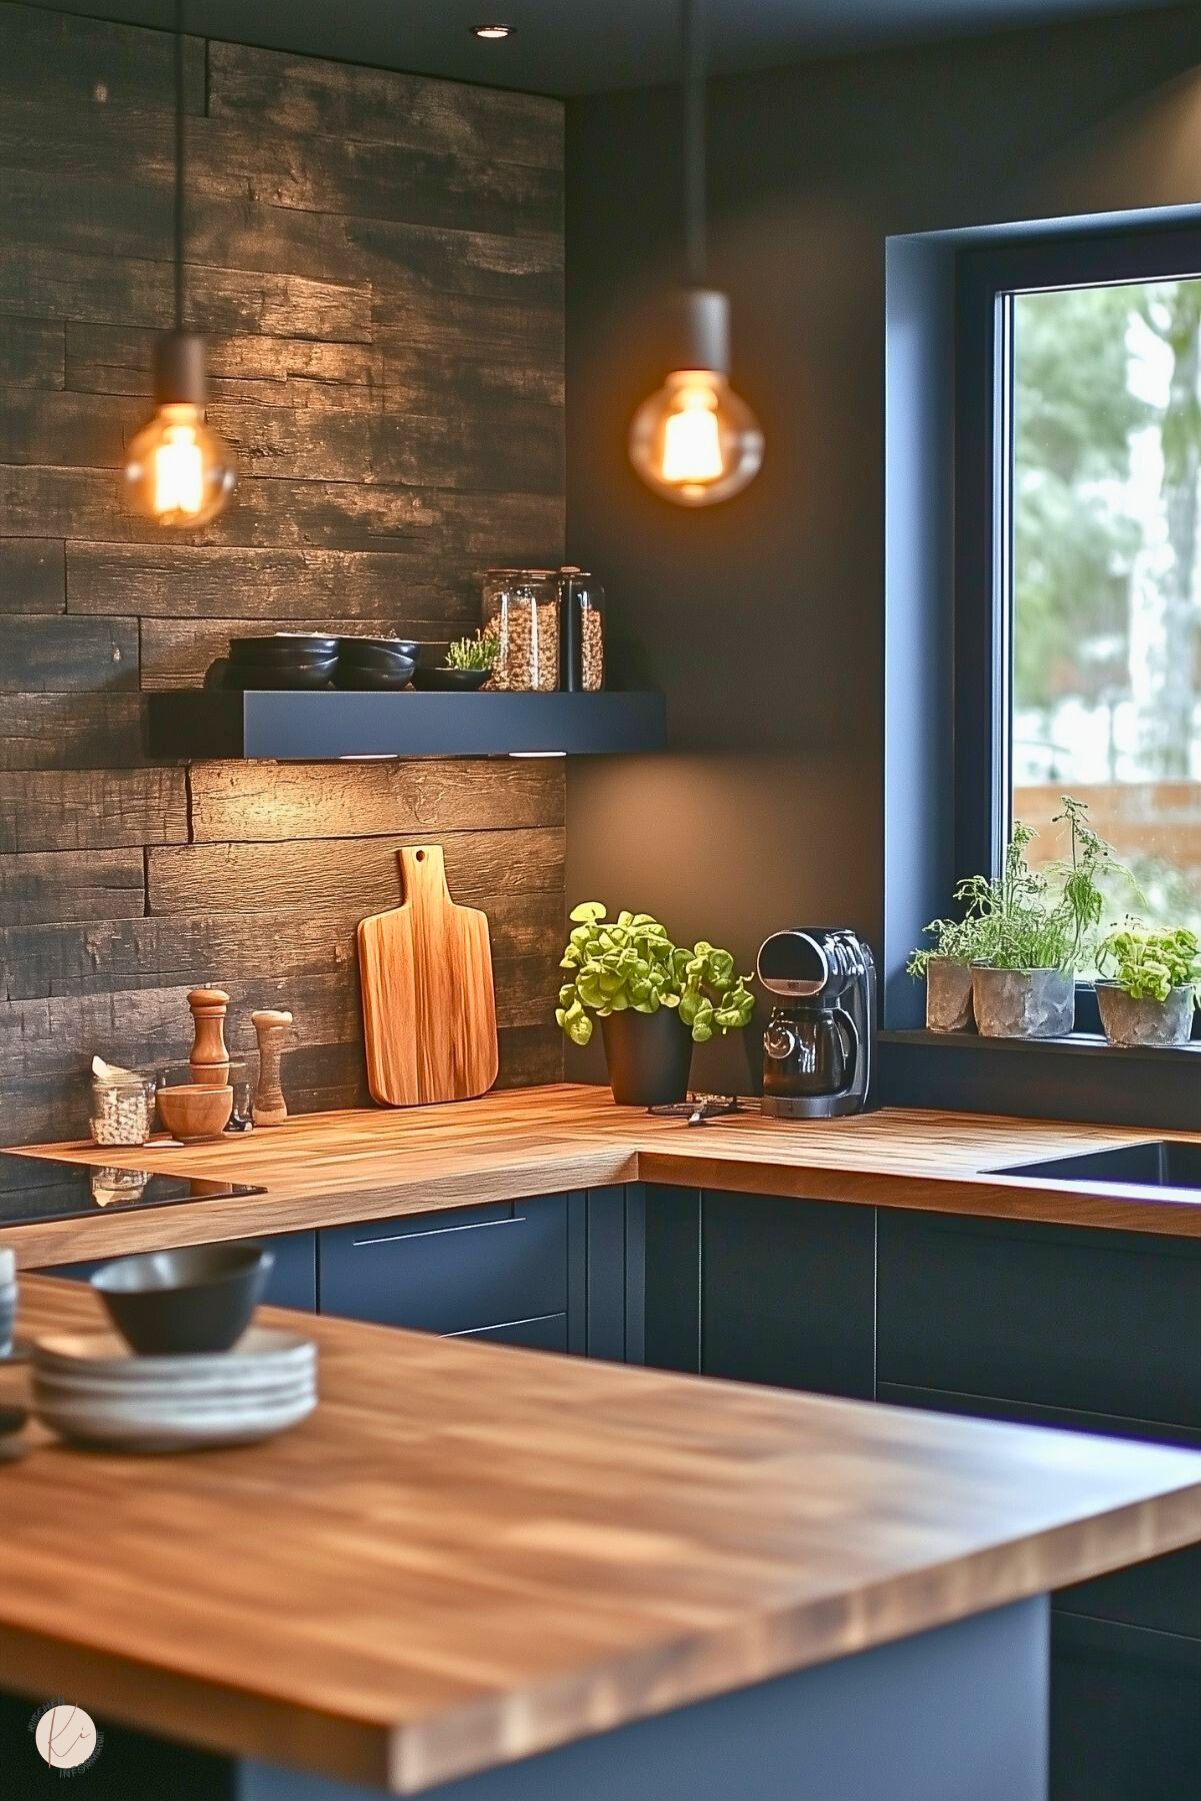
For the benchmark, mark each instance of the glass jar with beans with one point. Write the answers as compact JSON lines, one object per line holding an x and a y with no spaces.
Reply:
{"x":521,"y":616}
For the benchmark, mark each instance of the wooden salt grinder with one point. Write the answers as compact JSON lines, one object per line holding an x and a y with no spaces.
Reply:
{"x":209,"y":1060}
{"x":270,"y":1028}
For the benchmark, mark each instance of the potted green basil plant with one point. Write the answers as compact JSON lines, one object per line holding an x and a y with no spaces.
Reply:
{"x":654,"y":999}
{"x":1147,"y":985}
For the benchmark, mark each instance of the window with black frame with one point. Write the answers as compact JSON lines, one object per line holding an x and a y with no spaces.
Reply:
{"x":1079,"y":555}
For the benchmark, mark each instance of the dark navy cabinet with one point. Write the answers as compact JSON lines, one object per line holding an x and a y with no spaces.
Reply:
{"x":1094,"y":1331}
{"x":558,"y":1272}
{"x":786,"y":1292}
{"x":292,"y":1282}
{"x":499,"y":1271}
{"x":293,"y":1278}
{"x":1125,"y":1713}
{"x":1100,"y":1323}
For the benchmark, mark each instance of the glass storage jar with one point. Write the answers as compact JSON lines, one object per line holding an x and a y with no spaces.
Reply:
{"x":122,"y":1111}
{"x":582,"y":630}
{"x":521,"y":616}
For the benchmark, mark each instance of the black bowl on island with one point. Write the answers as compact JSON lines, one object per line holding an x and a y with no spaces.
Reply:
{"x":450,"y":681}
{"x":197,"y":1298}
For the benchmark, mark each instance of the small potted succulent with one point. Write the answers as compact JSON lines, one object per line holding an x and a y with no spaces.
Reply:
{"x":467,"y":665}
{"x":946,"y":966}
{"x":1147,"y":985}
{"x":654,"y":999}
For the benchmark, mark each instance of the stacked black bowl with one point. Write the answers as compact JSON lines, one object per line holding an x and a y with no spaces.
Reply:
{"x":287,"y":660}
{"x":380,"y":663}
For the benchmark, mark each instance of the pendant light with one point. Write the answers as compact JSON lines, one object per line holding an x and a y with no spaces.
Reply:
{"x":696,"y":441}
{"x":178,"y":471}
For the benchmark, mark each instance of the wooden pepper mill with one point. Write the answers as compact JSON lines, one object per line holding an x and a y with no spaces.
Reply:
{"x":209,"y":1060}
{"x":270,"y":1028}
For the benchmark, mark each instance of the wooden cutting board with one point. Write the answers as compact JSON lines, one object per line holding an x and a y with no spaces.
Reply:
{"x":429,"y":1005}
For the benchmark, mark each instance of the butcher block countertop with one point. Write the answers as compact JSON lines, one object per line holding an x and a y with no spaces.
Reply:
{"x":332,"y":1168}
{"x":472,"y":1553}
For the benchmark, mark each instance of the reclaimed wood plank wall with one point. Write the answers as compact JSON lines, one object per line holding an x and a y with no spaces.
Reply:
{"x":378,"y":259}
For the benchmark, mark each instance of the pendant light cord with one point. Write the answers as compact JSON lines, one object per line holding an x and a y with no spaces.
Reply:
{"x":180,"y":163}
{"x":693,"y":57}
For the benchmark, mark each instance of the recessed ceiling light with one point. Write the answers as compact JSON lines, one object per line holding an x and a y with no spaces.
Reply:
{"x":493,"y":33}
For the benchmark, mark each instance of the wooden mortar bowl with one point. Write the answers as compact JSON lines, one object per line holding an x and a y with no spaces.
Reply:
{"x":193,"y":1110}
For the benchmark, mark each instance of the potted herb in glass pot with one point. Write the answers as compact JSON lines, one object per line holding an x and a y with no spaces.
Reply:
{"x":1146,"y":985}
{"x":654,"y":999}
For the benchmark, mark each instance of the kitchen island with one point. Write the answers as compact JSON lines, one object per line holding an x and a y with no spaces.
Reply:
{"x":524,"y":1575}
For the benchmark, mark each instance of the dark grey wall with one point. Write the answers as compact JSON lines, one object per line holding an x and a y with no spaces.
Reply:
{"x":764,"y":619}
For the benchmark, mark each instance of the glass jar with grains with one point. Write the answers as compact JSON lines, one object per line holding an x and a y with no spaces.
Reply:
{"x":521,"y":616}
{"x":582,"y":630}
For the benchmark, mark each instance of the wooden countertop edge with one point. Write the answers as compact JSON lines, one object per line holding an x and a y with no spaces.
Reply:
{"x":186,"y":1708}
{"x":699,"y":1666}
{"x":240,"y":1216}
{"x":1120,"y":1208}
{"x":522,"y":1143}
{"x":39,"y":1245}
{"x":462,"y":1741}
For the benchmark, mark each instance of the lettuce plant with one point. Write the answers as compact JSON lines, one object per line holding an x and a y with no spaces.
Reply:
{"x":1148,"y":964}
{"x":630,"y":962}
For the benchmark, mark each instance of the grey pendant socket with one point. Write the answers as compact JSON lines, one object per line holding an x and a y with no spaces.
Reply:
{"x":703,"y":330}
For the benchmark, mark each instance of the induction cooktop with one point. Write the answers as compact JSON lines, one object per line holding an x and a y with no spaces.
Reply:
{"x":36,"y":1190}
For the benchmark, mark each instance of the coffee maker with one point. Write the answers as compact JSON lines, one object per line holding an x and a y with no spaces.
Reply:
{"x":819,"y":1046}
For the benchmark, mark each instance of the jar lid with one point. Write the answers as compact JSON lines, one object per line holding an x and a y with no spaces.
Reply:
{"x":518,"y":574}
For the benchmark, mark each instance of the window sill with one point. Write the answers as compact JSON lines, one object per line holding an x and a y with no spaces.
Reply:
{"x":1081,"y":1077}
{"x":1079,"y":1044}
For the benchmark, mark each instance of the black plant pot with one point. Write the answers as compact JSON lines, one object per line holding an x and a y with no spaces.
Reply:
{"x":649,"y":1057}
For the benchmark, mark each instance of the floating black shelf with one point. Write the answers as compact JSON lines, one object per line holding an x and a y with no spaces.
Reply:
{"x":313,"y":727}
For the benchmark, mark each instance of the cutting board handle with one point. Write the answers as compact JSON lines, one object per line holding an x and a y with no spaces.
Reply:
{"x":423,"y":874}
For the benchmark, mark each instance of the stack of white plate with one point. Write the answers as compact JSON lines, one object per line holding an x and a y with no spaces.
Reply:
{"x":91,"y":1388}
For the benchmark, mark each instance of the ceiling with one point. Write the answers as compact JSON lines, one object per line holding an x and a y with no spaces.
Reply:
{"x":584,"y":46}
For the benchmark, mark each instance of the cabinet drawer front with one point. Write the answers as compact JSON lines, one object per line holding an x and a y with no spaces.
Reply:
{"x":1095,"y":1322}
{"x":548,"y":1334}
{"x":449,"y":1272}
